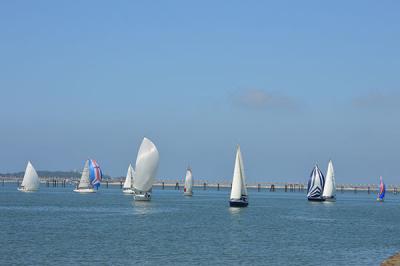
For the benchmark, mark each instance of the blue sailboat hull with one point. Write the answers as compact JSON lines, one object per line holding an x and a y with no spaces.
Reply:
{"x":316,"y":199}
{"x":238,"y":203}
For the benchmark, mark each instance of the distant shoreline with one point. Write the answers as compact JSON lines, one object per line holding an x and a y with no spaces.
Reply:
{"x":392,"y":261}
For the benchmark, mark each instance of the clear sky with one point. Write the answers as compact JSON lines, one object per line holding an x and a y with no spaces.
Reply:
{"x":292,"y":82}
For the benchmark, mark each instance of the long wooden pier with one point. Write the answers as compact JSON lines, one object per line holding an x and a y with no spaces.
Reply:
{"x":205,"y":185}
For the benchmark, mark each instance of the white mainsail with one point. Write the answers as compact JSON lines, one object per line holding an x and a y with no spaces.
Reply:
{"x":239,"y":180}
{"x":330,"y":186}
{"x":188,"y":181}
{"x":85,"y":181}
{"x":129,"y":177}
{"x":31,"y":179}
{"x":146,"y":166}
{"x":315,"y":184}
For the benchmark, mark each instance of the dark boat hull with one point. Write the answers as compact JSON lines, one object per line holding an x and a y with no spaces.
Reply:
{"x":316,"y":199}
{"x":238,"y":204}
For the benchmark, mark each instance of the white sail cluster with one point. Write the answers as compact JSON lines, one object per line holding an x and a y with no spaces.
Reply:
{"x":146,"y":168}
{"x":84,"y":182}
{"x":31,"y":179}
{"x":322,"y":188}
{"x":188,"y":188}
{"x":129,"y":180}
{"x":330,"y":185}
{"x":239,"y":179}
{"x":85,"y":185}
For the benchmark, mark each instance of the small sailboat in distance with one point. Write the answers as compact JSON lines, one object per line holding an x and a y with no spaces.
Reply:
{"x":382,"y":191}
{"x":188,"y":188}
{"x":90,"y":178}
{"x":316,"y":185}
{"x":84,"y":185}
{"x":31,"y":179}
{"x":239,"y":195}
{"x":329,"y":193}
{"x":146,"y":170}
{"x":128,"y":184}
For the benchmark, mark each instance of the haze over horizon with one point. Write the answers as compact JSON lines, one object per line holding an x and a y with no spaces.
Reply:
{"x":294,"y":83}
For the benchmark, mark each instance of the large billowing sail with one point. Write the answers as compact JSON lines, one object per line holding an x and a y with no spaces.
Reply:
{"x":85,"y":181}
{"x":188,"y":182}
{"x":330,"y":185}
{"x":146,"y":166}
{"x":31,"y":179}
{"x":382,"y":190}
{"x":315,"y":184}
{"x":239,"y":180}
{"x":95,"y":174}
{"x":129,"y":177}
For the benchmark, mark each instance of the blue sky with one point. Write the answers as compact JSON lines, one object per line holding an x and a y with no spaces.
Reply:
{"x":292,"y":82}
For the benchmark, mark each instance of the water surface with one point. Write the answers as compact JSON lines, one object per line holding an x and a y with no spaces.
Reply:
{"x":56,"y":226}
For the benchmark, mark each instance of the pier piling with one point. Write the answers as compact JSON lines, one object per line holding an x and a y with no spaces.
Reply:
{"x":258,"y":187}
{"x":177,"y":186}
{"x":218,"y":186}
{"x":163,"y":184}
{"x":107,"y":184}
{"x":272,"y":189}
{"x":204,"y":186}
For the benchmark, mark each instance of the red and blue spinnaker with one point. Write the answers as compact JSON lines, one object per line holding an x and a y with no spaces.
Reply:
{"x":382,"y":190}
{"x":95,"y":174}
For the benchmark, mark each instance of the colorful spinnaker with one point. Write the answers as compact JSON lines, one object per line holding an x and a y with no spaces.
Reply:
{"x":95,"y":174}
{"x":382,"y":190}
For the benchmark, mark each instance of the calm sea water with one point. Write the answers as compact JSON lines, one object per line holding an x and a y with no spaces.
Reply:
{"x":56,"y":226}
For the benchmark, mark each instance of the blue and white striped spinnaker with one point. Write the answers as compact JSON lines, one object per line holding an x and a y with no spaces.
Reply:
{"x":316,"y":184}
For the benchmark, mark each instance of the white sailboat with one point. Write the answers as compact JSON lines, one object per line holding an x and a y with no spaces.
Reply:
{"x":128,"y":184}
{"x":329,"y":193}
{"x":238,"y":196}
{"x":85,"y":186}
{"x":188,"y":189}
{"x":146,"y":170}
{"x":31,"y":179}
{"x":316,"y":185}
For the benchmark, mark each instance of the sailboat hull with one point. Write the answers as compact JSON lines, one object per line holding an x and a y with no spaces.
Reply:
{"x":26,"y":190}
{"x":188,"y":194}
{"x":316,"y":199}
{"x":329,"y":198}
{"x":85,"y":190}
{"x":142,"y":197}
{"x":379,"y":200}
{"x":128,"y":191}
{"x":238,"y":203}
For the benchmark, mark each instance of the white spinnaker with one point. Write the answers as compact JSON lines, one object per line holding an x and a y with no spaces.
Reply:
{"x":129,"y":177}
{"x":31,"y":178}
{"x":330,"y":186}
{"x":236,"y":191}
{"x":146,"y":166}
{"x":189,"y":180}
{"x":85,"y":181}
